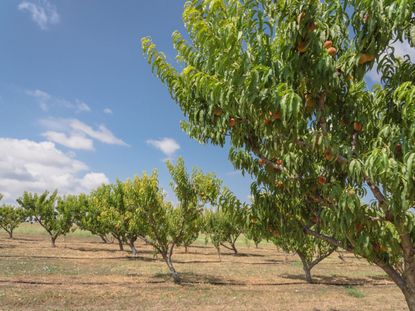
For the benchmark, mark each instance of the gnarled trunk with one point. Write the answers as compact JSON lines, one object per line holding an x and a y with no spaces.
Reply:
{"x":306,"y":267}
{"x":103,"y":238}
{"x":120,"y":244}
{"x":133,"y":249}
{"x":53,"y":241}
{"x":406,"y":281}
{"x":234,"y":248}
{"x":410,"y":298}
{"x":172,"y":270}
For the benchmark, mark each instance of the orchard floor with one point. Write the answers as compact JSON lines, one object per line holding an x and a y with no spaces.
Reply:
{"x":84,"y":274}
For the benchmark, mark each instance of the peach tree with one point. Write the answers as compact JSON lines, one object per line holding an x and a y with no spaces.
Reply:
{"x":10,"y":218}
{"x":284,"y":83}
{"x":52,"y":212}
{"x":196,"y":190}
{"x":88,"y":217}
{"x":116,"y":214}
{"x":270,"y":217}
{"x":225,"y":223}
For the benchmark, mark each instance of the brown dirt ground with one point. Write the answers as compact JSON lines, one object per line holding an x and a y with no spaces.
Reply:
{"x":84,"y":274}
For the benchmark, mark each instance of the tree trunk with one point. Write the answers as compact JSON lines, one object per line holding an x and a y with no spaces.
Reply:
{"x":218,"y":250}
{"x":120,"y":244}
{"x":306,"y":267}
{"x":53,"y":241}
{"x":10,"y":234}
{"x":186,"y":249}
{"x":256,"y":244}
{"x":172,"y":270}
{"x":410,"y":298}
{"x":405,"y":281}
{"x":133,"y":249}
{"x":104,"y":240}
{"x":234,"y":248}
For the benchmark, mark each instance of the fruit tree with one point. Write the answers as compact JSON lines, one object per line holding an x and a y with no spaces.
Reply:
{"x":284,"y":83}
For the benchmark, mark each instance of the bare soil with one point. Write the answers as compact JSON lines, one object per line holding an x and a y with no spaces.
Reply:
{"x":82,"y":273}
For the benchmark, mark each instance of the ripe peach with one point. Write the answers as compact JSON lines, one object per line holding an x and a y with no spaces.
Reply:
{"x":232,"y":122}
{"x":328,"y":44}
{"x":332,"y":51}
{"x":357,"y":126}
{"x":366,"y":58}
{"x":321,"y":180}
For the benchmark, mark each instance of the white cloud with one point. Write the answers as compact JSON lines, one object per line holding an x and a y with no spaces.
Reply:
{"x":107,"y":111}
{"x":166,"y":145}
{"x":27,"y":165}
{"x":93,"y":180}
{"x":43,"y":13}
{"x":76,"y":134}
{"x":73,"y":141}
{"x":47,"y":101}
{"x":103,"y":134}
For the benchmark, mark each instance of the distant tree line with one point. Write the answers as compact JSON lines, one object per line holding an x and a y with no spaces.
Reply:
{"x":137,"y":209}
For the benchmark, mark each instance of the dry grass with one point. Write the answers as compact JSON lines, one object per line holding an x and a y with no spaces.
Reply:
{"x":84,"y":274}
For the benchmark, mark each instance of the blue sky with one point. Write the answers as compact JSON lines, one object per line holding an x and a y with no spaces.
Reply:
{"x":78,"y":103}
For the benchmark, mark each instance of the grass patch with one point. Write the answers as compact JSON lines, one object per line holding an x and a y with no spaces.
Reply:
{"x":355,"y":292}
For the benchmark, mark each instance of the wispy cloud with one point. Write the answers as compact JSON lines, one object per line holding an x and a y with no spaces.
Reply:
{"x":102,"y":134}
{"x":73,"y":141}
{"x":42,"y":11}
{"x":75,"y":134}
{"x":166,"y":145}
{"x":107,"y":111}
{"x":47,"y":101}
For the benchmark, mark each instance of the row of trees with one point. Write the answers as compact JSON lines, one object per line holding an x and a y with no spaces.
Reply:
{"x":137,"y":209}
{"x":284,"y":82}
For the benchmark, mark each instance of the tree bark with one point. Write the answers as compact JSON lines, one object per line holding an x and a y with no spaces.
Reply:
{"x":104,"y":240}
{"x":120,"y":244}
{"x":218,"y":250}
{"x":306,"y":267}
{"x":410,"y":298}
{"x":234,"y":248}
{"x":405,"y":282}
{"x":172,"y":270}
{"x":10,"y":234}
{"x":186,"y":249}
{"x":133,"y":249}
{"x":53,"y":241}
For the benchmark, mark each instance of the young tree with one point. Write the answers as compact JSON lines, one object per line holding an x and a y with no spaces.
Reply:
{"x":273,"y":221}
{"x":196,"y":190}
{"x":53,"y":213}
{"x":88,"y":217}
{"x":110,"y":200}
{"x":286,"y":82}
{"x":163,"y":225}
{"x":10,"y":218}
{"x":225,"y":225}
{"x":160,"y":219}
